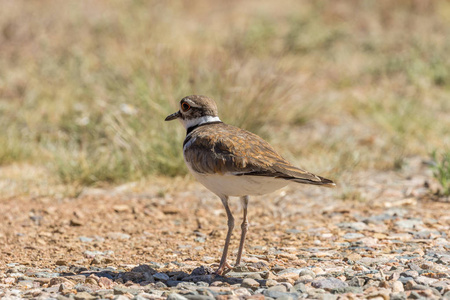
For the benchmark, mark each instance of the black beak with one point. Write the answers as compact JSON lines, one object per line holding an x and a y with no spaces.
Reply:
{"x":173,"y":116}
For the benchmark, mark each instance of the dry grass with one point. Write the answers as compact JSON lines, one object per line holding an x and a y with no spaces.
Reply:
{"x":337,"y":86}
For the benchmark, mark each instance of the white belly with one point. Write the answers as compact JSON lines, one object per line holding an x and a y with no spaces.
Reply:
{"x":231,"y":185}
{"x":237,"y":186}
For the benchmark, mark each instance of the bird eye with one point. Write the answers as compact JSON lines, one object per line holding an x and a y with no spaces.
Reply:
{"x":185,"y":106}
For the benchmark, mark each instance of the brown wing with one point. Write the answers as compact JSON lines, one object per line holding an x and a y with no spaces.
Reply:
{"x":225,"y":149}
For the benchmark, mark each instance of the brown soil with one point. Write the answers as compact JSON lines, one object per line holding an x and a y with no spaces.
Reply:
{"x":188,"y":224}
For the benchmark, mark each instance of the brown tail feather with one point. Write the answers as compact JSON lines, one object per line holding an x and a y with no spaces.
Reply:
{"x":323,"y":181}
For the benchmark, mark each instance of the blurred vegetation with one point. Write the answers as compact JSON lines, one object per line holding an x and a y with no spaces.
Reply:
{"x":441,"y":170}
{"x":336,"y":86}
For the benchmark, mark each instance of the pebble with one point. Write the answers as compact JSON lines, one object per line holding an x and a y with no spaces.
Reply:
{"x":409,"y":224}
{"x":161,"y":276}
{"x":328,"y":283}
{"x":84,"y":296}
{"x":347,"y":289}
{"x":250,"y":283}
{"x":175,"y":296}
{"x":300,"y":287}
{"x":85,"y":239}
{"x":397,"y":286}
{"x":353,"y":236}
{"x":353,"y":225}
{"x":118,"y":236}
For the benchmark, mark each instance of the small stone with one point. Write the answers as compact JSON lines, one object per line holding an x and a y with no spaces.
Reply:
{"x":353,"y":225}
{"x":410,"y":273}
{"x":353,"y":236}
{"x":257,"y":296}
{"x":281,"y":295}
{"x":241,"y":292}
{"x":46,"y":274}
{"x":410,"y":285}
{"x":353,"y":257}
{"x":405,"y":279}
{"x":268,"y":275}
{"x":160,"y":285}
{"x":379,"y":295}
{"x":257,"y":266}
{"x":289,"y":256}
{"x":308,"y":272}
{"x":409,"y":224}
{"x":118,"y":236}
{"x":61,"y":262}
{"x":394,"y":276}
{"x":240,"y":269}
{"x":121,"y":208}
{"x":122,"y":291}
{"x":347,"y":289}
{"x":318,"y":271}
{"x":328,"y":296}
{"x":250,"y":283}
{"x":75,"y":222}
{"x":300,"y":287}
{"x":9,"y":280}
{"x":255,"y":275}
{"x":271,"y":282}
{"x":425,"y":280}
{"x":170,"y":210}
{"x":278,"y":288}
{"x":85,"y":239}
{"x":398,"y":296}
{"x":91,"y":281}
{"x":105,"y":282}
{"x":175,"y":296}
{"x":415,"y":295}
{"x":288,"y":277}
{"x":328,"y":284}
{"x":84,"y":296}
{"x":83,"y":288}
{"x":200,"y":239}
{"x":27,"y":284}
{"x":161,"y":276}
{"x":98,"y":260}
{"x":305,"y":278}
{"x":144,"y":269}
{"x":356,"y":281}
{"x":61,"y":280}
{"x":397,"y":286}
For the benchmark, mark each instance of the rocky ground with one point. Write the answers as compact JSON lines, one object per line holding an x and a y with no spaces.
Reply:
{"x":382,"y":237}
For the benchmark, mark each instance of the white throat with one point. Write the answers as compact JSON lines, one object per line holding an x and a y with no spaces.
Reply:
{"x":198,"y":121}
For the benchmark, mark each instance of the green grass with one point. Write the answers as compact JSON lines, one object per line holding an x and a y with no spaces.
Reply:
{"x":441,"y":170}
{"x":336,"y":86}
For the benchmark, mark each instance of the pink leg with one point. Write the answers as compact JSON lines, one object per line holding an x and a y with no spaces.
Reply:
{"x":223,"y":261}
{"x":244,"y":228}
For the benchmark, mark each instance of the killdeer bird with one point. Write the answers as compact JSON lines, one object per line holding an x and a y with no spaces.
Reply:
{"x":230,"y":161}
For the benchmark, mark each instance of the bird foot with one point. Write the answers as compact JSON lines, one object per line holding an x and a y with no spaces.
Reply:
{"x":223,"y":268}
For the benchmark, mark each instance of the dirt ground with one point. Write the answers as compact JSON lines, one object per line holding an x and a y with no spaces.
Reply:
{"x":295,"y":227}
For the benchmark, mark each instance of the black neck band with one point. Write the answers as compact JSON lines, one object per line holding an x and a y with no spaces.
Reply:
{"x":190,"y":129}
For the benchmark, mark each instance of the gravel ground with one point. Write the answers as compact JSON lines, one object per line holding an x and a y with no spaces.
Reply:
{"x":389,"y":242}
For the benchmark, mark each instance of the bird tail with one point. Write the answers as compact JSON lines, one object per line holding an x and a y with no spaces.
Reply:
{"x":322,"y":181}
